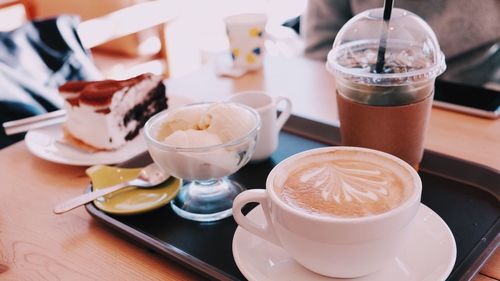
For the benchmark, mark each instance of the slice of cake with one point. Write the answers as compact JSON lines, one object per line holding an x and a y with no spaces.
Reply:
{"x":106,"y":114}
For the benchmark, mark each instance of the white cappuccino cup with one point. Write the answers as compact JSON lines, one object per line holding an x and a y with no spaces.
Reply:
{"x":271,"y":124}
{"x":348,"y":245}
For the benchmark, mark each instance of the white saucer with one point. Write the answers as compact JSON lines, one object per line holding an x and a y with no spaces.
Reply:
{"x":46,"y":143}
{"x":429,"y":255}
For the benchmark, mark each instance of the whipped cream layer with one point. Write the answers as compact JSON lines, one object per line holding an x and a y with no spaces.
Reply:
{"x":98,"y":111}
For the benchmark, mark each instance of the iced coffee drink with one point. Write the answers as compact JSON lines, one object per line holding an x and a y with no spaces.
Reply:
{"x":387,"y":110}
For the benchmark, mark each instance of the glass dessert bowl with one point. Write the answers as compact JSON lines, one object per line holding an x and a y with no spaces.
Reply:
{"x":203,"y":144}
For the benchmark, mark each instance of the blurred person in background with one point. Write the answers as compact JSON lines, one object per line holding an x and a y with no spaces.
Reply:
{"x":460,"y":25}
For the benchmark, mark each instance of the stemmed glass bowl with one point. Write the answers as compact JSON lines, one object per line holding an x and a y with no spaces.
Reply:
{"x":207,"y":194}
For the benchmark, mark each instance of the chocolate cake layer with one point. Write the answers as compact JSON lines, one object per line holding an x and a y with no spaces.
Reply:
{"x":157,"y":101}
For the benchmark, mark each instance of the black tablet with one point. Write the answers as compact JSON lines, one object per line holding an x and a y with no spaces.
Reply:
{"x":471,"y":82}
{"x":480,"y":101}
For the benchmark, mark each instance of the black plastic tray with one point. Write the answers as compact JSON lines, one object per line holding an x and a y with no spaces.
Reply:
{"x":464,"y":194}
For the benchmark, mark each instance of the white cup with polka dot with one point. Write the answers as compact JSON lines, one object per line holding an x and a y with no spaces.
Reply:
{"x":246,"y":34}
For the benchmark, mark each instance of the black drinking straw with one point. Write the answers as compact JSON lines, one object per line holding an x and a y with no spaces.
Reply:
{"x":379,"y":67}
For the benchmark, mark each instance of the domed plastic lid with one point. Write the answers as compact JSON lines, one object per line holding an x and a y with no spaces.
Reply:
{"x":412,"y":50}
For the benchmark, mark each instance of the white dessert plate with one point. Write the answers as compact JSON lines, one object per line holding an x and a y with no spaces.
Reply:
{"x":429,"y":254}
{"x":47,"y":144}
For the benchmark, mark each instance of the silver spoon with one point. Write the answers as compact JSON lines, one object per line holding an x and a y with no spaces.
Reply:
{"x":150,"y":176}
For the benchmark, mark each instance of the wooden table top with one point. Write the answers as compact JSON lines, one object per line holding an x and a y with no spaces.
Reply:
{"x":35,"y":244}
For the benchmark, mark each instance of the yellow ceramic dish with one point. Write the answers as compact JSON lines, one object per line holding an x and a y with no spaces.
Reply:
{"x":129,"y":200}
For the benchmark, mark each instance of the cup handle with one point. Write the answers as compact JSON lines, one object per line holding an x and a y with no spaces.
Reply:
{"x":285,"y":114}
{"x":256,"y":196}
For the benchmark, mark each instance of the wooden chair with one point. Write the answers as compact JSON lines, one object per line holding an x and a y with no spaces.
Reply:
{"x":129,"y":20}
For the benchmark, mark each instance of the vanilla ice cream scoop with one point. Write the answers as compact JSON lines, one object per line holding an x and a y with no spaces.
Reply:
{"x":206,"y":126}
{"x":228,"y":121}
{"x":192,"y":138}
{"x":180,"y":120}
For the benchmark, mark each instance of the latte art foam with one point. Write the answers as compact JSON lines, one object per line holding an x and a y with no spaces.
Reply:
{"x":346,"y":184}
{"x":344,"y":188}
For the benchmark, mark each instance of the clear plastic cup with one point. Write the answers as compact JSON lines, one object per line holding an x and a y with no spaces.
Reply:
{"x":387,"y":111}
